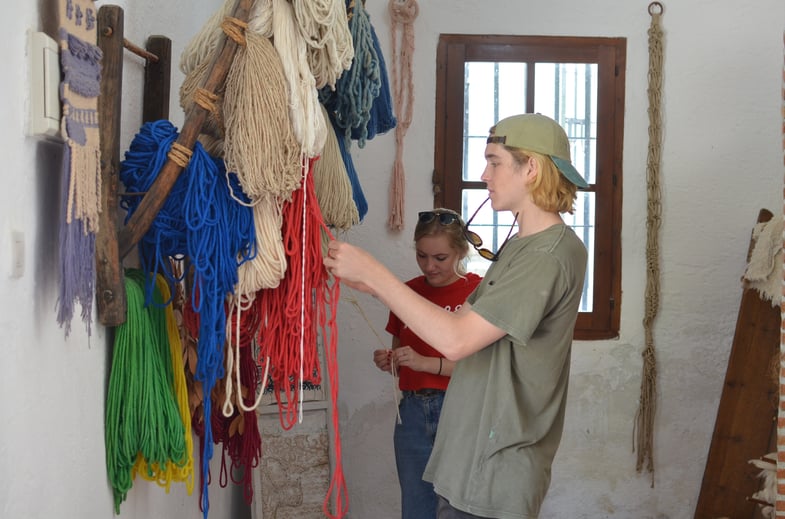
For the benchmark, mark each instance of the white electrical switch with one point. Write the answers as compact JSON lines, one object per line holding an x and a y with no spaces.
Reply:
{"x":44,"y":63}
{"x":17,"y":254}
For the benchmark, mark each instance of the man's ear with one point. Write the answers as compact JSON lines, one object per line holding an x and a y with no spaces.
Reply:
{"x":532,"y":169}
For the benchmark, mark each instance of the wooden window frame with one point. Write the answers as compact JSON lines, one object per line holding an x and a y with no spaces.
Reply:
{"x":453,"y":51}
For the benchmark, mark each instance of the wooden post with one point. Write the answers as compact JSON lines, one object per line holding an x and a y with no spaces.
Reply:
{"x":157,"y":79}
{"x":110,"y":288}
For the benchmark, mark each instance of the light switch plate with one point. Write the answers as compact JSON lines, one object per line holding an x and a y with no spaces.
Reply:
{"x":44,"y":62}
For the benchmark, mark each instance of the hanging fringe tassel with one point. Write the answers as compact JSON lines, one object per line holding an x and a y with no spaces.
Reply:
{"x":644,"y":421}
{"x":402,"y":13}
{"x":77,"y":266}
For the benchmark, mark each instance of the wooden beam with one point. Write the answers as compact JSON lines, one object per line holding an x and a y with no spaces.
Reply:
{"x":110,"y":288}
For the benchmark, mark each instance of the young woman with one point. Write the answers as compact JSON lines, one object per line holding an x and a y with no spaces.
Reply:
{"x":423,"y":372}
{"x":503,"y":413}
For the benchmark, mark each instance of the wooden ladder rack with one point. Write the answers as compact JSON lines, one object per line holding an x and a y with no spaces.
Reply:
{"x":113,"y":246}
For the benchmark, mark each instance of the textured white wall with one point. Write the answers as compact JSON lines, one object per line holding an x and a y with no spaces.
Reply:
{"x":721,"y":163}
{"x":52,"y":389}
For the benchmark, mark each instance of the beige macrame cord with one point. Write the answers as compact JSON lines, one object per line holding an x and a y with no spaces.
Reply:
{"x":402,"y":15}
{"x":644,"y":420}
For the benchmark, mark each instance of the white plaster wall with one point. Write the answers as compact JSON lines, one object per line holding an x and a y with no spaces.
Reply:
{"x":721,"y":162}
{"x":52,"y":389}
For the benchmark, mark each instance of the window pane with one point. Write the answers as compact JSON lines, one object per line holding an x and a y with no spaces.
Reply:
{"x":582,"y":221}
{"x":491,"y":91}
{"x":567,"y":92}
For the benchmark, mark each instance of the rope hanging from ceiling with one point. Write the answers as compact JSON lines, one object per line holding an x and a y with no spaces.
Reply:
{"x":643,"y":435}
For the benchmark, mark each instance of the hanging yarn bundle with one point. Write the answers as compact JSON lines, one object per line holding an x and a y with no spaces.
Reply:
{"x":381,"y":117}
{"x":202,"y":222}
{"x":332,"y":186}
{"x":402,"y":14}
{"x":294,"y":315}
{"x":242,"y":441}
{"x":278,"y":21}
{"x":259,"y":145}
{"x":164,"y":322}
{"x":142,"y":414}
{"x":349,"y":104}
{"x":322,"y":24}
{"x":288,"y":335}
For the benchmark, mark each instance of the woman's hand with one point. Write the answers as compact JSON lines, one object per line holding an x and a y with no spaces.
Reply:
{"x":406,"y":356}
{"x":383,"y":360}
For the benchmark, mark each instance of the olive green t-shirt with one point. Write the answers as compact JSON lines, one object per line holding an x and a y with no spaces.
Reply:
{"x":503,"y":414}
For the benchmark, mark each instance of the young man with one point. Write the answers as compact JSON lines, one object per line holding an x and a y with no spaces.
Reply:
{"x":503,"y":413}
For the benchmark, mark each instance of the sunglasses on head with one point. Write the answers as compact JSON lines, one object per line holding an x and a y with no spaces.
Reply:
{"x":474,"y":239}
{"x":426,"y":217}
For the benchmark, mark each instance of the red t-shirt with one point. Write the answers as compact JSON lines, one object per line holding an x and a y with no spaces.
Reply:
{"x":451,"y":298}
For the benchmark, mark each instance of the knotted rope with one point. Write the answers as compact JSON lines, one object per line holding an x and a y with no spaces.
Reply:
{"x":402,"y":14}
{"x":644,"y":421}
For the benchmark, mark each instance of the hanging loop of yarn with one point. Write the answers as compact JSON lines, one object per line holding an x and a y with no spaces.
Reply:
{"x":402,"y":14}
{"x":234,"y":28}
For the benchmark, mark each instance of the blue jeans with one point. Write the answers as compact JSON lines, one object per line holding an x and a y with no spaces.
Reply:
{"x":413,"y":440}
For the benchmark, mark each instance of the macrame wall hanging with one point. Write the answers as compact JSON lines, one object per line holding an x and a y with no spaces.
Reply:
{"x":643,"y":435}
{"x":80,"y":59}
{"x":780,"y":504}
{"x":402,"y":16}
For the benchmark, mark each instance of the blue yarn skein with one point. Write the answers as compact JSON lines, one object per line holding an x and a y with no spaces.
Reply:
{"x":201,"y":223}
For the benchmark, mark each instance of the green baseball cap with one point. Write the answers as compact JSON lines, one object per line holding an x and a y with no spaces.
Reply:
{"x":536,"y":132}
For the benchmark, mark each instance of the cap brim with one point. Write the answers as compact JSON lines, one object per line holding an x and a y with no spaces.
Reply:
{"x":569,"y":171}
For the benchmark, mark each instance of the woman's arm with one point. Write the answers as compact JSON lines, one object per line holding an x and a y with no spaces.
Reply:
{"x":455,"y":334}
{"x":406,"y":356}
